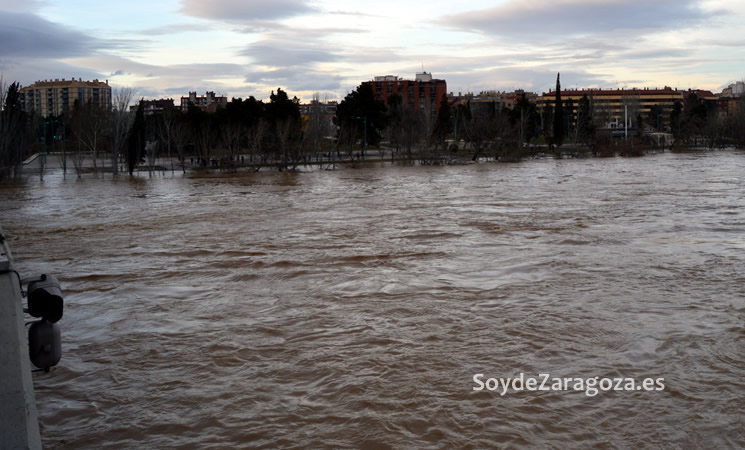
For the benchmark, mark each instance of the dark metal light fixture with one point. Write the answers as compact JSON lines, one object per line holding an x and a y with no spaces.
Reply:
{"x":44,"y":338}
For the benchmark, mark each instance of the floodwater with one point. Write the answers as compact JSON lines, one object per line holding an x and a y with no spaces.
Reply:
{"x":352,"y":308}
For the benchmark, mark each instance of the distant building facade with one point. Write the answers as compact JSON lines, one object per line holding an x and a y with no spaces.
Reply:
{"x":323,"y":107}
{"x":56,"y":97}
{"x":208,"y":102}
{"x":327,"y":110}
{"x":151,"y":107}
{"x":734,"y":90}
{"x":495,"y":99}
{"x":423,"y":91}
{"x":610,"y":106}
{"x":732,"y":98}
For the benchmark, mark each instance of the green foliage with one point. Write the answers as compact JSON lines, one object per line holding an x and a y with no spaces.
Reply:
{"x":675,"y":118}
{"x":656,"y":117}
{"x":360,"y":107}
{"x":444,"y":120}
{"x":15,"y":131}
{"x":246,"y":112}
{"x":281,"y":108}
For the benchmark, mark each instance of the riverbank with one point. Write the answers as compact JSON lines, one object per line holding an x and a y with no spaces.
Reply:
{"x":39,"y":164}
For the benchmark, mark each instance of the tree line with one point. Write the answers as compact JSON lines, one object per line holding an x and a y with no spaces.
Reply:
{"x":253,"y":133}
{"x":250,"y":133}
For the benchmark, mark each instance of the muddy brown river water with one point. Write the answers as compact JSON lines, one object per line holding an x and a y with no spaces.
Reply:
{"x":352,"y":308}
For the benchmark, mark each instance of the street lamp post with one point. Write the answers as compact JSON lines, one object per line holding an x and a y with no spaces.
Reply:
{"x":64,"y":150}
{"x":46,"y":123}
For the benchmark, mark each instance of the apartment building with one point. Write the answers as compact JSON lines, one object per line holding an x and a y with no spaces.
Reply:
{"x":497,"y":100}
{"x":208,"y":102}
{"x":611,"y":107}
{"x":156,"y":106}
{"x":56,"y":97}
{"x":423,"y":91}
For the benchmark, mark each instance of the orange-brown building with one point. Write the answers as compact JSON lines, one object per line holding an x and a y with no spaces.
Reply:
{"x":423,"y":91}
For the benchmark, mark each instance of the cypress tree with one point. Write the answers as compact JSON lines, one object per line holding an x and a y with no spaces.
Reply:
{"x":558,"y":115}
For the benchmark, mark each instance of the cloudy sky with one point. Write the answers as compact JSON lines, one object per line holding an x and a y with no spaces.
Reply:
{"x":165,"y":48}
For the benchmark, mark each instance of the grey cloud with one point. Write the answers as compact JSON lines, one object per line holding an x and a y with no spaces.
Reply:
{"x":180,"y":91}
{"x":176,"y":71}
{"x":509,"y":78}
{"x":279,"y":53}
{"x":656,"y":53}
{"x":175,"y":28}
{"x":288,"y":32}
{"x":148,"y":93}
{"x":578,"y":17}
{"x":293,"y":47}
{"x":26,"y":35}
{"x":244,"y":10}
{"x":21,"y":6}
{"x":374,"y":55}
{"x":28,"y":71}
{"x":296,"y":80}
{"x":353,"y":13}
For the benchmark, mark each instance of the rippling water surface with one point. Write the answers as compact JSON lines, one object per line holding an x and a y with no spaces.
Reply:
{"x":351,"y":308}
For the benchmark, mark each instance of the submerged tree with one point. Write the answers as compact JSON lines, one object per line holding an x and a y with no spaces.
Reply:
{"x":523,"y":118}
{"x":88,"y":125}
{"x":120,"y":123}
{"x":136,"y":139}
{"x":283,"y":116}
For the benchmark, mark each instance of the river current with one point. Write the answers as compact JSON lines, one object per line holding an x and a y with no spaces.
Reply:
{"x":352,"y":308}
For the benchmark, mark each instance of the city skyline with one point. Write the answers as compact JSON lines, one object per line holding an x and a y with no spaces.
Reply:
{"x":239,"y":48}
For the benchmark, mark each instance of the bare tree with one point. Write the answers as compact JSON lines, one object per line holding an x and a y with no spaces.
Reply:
{"x":284,"y":132}
{"x":204,"y":135}
{"x":428,"y":153}
{"x":121,"y":119}
{"x":317,"y":127}
{"x":151,"y":153}
{"x":231,"y":134}
{"x":180,"y":136}
{"x":88,"y":125}
{"x":257,"y":156}
{"x":168,"y":121}
{"x":411,"y":130}
{"x":78,"y":159}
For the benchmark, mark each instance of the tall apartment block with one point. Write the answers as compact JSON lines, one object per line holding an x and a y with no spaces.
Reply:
{"x":423,"y":91}
{"x":59,"y":96}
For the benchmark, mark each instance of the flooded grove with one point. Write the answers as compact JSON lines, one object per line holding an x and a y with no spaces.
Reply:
{"x":352,"y":308}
